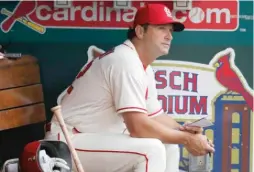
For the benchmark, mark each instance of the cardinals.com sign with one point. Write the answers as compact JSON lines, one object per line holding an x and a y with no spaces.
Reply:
{"x":40,"y":15}
{"x":189,"y":90}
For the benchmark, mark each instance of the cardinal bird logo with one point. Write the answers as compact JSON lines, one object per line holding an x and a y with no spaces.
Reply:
{"x":230,"y":77}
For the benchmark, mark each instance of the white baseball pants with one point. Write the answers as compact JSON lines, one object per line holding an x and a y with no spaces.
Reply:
{"x":121,"y":153}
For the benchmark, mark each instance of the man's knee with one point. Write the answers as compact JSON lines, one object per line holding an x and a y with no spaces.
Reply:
{"x":172,"y":149}
{"x":155,"y":146}
{"x":155,"y":153}
{"x":173,"y":157}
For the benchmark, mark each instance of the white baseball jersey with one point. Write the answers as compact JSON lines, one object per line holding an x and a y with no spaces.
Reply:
{"x":111,"y":84}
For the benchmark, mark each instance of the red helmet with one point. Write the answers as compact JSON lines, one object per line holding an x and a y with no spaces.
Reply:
{"x":29,"y":159}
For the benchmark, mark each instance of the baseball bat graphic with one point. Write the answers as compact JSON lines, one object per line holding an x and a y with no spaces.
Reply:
{"x":22,"y":9}
{"x":25,"y":21}
{"x":57,"y":111}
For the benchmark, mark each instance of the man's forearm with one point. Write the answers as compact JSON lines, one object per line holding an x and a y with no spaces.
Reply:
{"x":167,"y":121}
{"x":150,"y":128}
{"x":141,"y":126}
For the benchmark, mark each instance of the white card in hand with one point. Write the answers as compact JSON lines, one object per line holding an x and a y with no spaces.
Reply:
{"x":203,"y":122}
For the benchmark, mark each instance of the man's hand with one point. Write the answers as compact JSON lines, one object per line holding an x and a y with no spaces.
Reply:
{"x":49,"y":163}
{"x":191,"y":129}
{"x":199,"y":145}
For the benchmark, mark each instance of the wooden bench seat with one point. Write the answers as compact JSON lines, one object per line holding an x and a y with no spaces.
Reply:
{"x":21,"y":93}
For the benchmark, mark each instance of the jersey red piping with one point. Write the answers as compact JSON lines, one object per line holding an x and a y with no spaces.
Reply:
{"x":123,"y":152}
{"x":155,"y":112}
{"x":128,"y":46}
{"x":146,"y":96}
{"x":131,"y":108}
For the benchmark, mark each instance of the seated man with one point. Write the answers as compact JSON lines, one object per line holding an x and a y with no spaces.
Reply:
{"x":111,"y":109}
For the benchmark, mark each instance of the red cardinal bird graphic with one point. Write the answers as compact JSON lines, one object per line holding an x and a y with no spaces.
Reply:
{"x":22,"y":9}
{"x":230,"y":79}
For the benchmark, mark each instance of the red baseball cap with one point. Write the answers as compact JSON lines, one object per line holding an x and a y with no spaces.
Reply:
{"x":156,"y":14}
